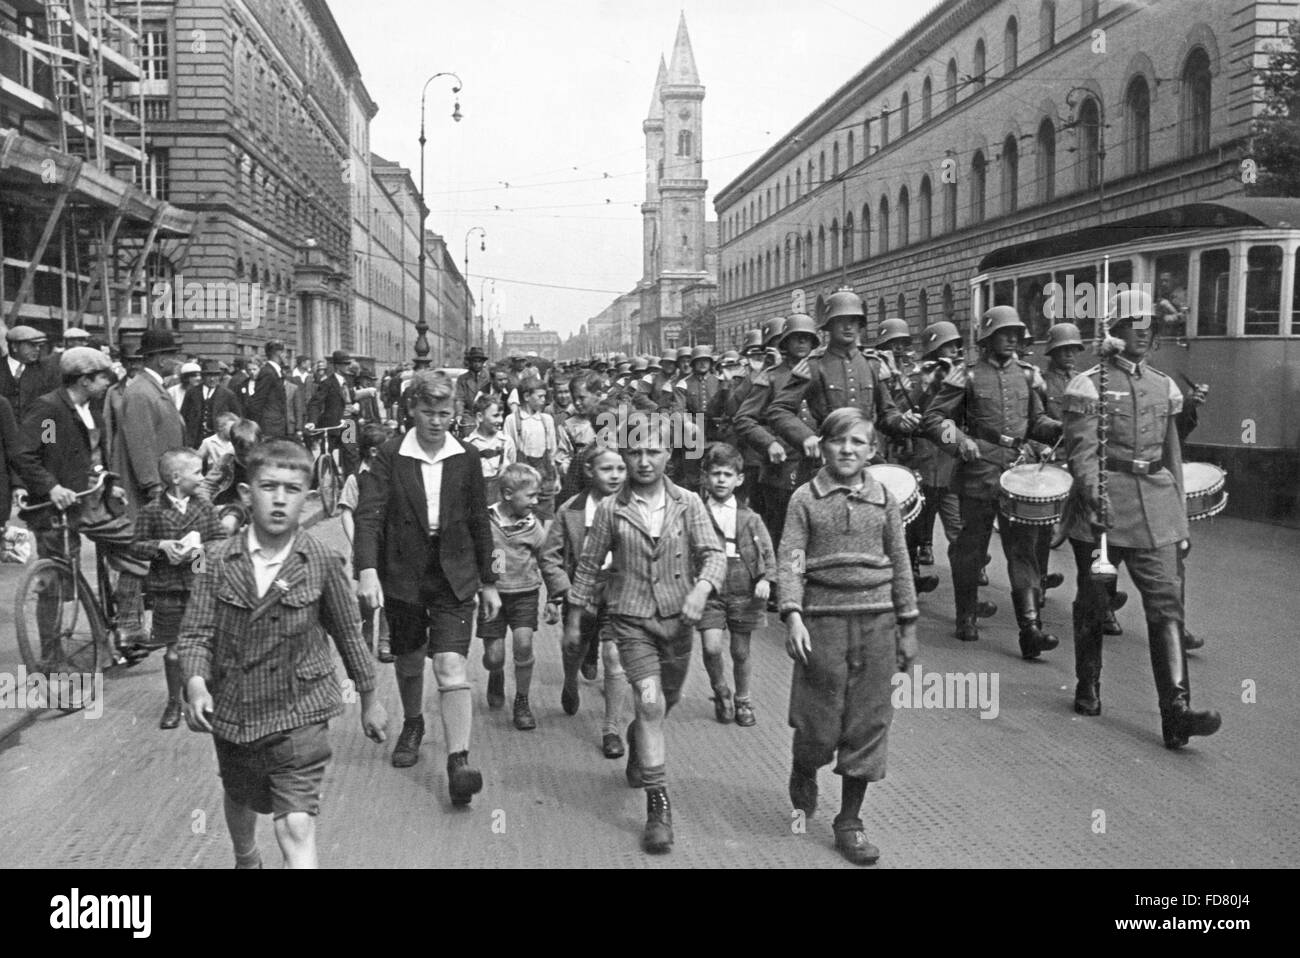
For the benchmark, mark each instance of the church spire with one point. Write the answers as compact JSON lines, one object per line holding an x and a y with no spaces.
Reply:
{"x":681,"y":71}
{"x":656,"y":106}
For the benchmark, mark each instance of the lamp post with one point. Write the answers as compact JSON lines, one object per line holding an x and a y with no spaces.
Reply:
{"x":421,"y":325}
{"x":482,"y":249}
{"x":482,"y":308}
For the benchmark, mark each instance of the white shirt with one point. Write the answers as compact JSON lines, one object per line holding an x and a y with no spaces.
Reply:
{"x":276,"y":366}
{"x":431,"y":471}
{"x":590,"y":511}
{"x":180,"y":504}
{"x":531,"y":426}
{"x":266,"y":565}
{"x":653,"y":512}
{"x":15,"y":367}
{"x":83,"y":410}
{"x":725,"y":514}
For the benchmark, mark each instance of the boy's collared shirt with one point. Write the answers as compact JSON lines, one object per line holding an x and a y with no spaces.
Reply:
{"x":652,"y":510}
{"x":589,"y":511}
{"x":530,"y":432}
{"x":431,"y":471}
{"x":266,"y":564}
{"x":725,"y":514}
{"x":179,"y":502}
{"x":495,"y":452}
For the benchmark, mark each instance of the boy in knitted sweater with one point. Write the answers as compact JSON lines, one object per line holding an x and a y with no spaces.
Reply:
{"x":844,"y":583}
{"x":517,"y":541}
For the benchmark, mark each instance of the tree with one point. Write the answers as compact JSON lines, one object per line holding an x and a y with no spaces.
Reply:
{"x":1277,"y":133}
{"x":700,"y":324}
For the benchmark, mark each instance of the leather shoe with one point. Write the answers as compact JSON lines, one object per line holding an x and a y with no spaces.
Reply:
{"x":611,"y":745}
{"x":569,"y":697}
{"x":1181,"y":722}
{"x":926,"y":583}
{"x":968,"y":629}
{"x":407,"y":750}
{"x":658,"y":837}
{"x":463,"y":782}
{"x":986,"y":609}
{"x":745,"y":715}
{"x":925,"y":555}
{"x":1190,"y":641}
{"x":1111,"y":624}
{"x":524,"y":720}
{"x":1087,"y":698}
{"x":171,"y":716}
{"x":853,"y":845}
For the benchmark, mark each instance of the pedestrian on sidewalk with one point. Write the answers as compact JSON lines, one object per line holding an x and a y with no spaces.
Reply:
{"x":844,"y":566}
{"x":423,"y":550}
{"x":172,"y":532}
{"x":255,"y":630}
{"x":372,"y":437}
{"x":536,"y":443}
{"x":667,"y":561}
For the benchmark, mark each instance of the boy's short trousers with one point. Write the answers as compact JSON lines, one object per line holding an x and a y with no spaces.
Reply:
{"x":518,"y":611}
{"x":440,"y":623}
{"x":592,"y":627}
{"x":278,"y":773}
{"x":168,"y":610}
{"x":650,"y":647}
{"x":736,"y":608}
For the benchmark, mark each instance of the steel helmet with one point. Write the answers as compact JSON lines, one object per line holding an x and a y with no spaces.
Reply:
{"x":1063,"y":334}
{"x":668,"y":359}
{"x":999,"y":317}
{"x":1130,"y":304}
{"x":892,"y":329}
{"x":684,"y":353}
{"x":772,"y":330}
{"x":640,"y":365}
{"x":730,"y":358}
{"x":753,"y":342}
{"x":799,"y":323}
{"x":937,"y":335}
{"x":843,"y":302}
{"x":701,"y":352}
{"x":652,"y":365}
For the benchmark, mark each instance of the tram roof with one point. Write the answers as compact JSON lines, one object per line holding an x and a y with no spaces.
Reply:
{"x":1267,"y":212}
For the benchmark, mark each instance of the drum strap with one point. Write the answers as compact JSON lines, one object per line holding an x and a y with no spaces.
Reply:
{"x":1135,"y":467}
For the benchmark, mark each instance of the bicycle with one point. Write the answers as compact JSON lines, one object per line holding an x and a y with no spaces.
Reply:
{"x":64,"y":627}
{"x":326,"y":477}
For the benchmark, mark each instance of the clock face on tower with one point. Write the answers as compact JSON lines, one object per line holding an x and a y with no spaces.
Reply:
{"x":684,"y":115}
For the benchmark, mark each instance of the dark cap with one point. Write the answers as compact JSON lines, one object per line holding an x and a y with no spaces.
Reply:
{"x":341,"y":357}
{"x":159,"y":341}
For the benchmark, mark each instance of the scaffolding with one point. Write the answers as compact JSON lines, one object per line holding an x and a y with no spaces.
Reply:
{"x":77,"y":225}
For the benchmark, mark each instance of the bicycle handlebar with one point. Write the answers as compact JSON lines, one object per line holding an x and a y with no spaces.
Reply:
{"x":99,"y":484}
{"x":322,"y":429}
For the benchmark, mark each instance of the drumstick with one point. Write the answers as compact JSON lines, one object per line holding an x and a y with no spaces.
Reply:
{"x":1191,"y":383}
{"x":1051,"y":452}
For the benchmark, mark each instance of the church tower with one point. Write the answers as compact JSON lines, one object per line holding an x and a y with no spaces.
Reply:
{"x":653,"y":128}
{"x":682,"y":187}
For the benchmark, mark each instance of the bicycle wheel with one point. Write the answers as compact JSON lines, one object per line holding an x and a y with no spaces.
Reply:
{"x":328,"y":484}
{"x":59,"y":628}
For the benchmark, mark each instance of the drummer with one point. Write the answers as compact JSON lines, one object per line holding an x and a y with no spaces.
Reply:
{"x":983,"y":413}
{"x":1186,"y":422}
{"x":1146,"y":509}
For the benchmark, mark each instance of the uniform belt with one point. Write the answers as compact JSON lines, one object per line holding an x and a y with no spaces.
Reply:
{"x":1135,"y":467}
{"x":993,"y":436}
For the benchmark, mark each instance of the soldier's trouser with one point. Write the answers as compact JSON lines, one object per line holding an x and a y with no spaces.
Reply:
{"x":1043,"y":547}
{"x":966,"y":553}
{"x":776,"y":502}
{"x":840,"y":701}
{"x":940,"y":502}
{"x":750,"y":493}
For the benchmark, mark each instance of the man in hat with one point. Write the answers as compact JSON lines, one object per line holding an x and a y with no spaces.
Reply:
{"x":204,"y":403}
{"x":331,"y":403}
{"x":269,"y":407}
{"x":238,"y":382}
{"x":187,"y":378}
{"x":150,"y":423}
{"x":23,"y":376}
{"x":470,"y":383}
{"x":365,"y":394}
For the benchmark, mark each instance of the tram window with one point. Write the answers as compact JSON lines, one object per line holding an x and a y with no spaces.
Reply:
{"x":1030,"y":302}
{"x":1004,"y":293}
{"x":1121,"y":271}
{"x":1212,"y":294}
{"x":1079,"y":288}
{"x":1171,"y":294}
{"x":1263,"y":290}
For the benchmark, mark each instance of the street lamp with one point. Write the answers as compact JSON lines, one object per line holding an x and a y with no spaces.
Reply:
{"x":482,"y":249}
{"x":421,"y":326}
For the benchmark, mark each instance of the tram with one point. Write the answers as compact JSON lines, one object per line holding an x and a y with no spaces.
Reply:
{"x":1226,"y":283}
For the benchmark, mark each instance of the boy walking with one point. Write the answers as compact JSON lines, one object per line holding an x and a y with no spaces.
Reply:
{"x":667,"y":561}
{"x":536,"y":444}
{"x":496,"y":450}
{"x":751,"y":570}
{"x":254,"y":631}
{"x":172,"y":531}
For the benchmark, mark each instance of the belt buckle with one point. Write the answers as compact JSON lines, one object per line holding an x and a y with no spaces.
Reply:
{"x":1141,"y":467}
{"x":1008,"y":441}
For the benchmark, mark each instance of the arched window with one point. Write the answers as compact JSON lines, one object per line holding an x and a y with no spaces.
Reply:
{"x":925,"y":210}
{"x":835,"y":158}
{"x":848,"y":163}
{"x":810,"y":175}
{"x":1047,"y":25}
{"x":661,"y":171}
{"x":883,"y":226}
{"x":767,"y":269}
{"x":684,"y":143}
{"x":789,"y":197}
{"x":950,"y":206}
{"x":927,"y":95}
{"x":948,"y":311}
{"x":1010,"y":174}
{"x":978,"y":175}
{"x":789,"y":273}
{"x":760,"y":210}
{"x":1046,"y":160}
{"x":904,"y":118}
{"x":880,"y":311}
{"x":821,"y":167}
{"x":1194,"y":134}
{"x":865,"y":229}
{"x":904,"y":216}
{"x":821,"y":249}
{"x":1089,"y":130}
{"x":1011,"y":46}
{"x":977,"y":72}
{"x":1089,"y":12}
{"x":923,"y":307}
{"x":950,"y":84}
{"x":798,"y":183}
{"x":778,"y":196}
{"x":808,"y":251}
{"x":902,"y":307}
{"x":884,"y":126}
{"x":1137,"y":123}
{"x":776,"y":266}
{"x":849,"y":239}
{"x":866,"y":138}
{"x":835,"y":243}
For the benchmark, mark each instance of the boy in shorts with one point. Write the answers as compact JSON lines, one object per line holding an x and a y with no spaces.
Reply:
{"x":255,"y":629}
{"x":667,"y":560}
{"x":496,"y":450}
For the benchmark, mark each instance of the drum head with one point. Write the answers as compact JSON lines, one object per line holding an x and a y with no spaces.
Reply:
{"x":1202,"y":477}
{"x":1037,"y":481}
{"x":899,"y":480}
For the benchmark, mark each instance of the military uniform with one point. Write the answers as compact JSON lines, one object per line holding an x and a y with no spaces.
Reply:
{"x":936,"y":467}
{"x":835,"y":378}
{"x":996,"y":405}
{"x":901,"y":381}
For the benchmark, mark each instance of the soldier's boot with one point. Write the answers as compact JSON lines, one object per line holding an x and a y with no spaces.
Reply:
{"x":1087,"y":664}
{"x":1111,"y":624}
{"x":1178,"y":721}
{"x":1033,"y":640}
{"x":171,"y":716}
{"x":1191,"y":642}
{"x":968,"y":629}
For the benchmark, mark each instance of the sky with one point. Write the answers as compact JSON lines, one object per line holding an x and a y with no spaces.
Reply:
{"x":552,"y":101}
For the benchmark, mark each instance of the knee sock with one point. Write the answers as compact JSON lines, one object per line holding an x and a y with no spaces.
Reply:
{"x":524,"y":676}
{"x":654,"y":776}
{"x":717,"y":671}
{"x":852,"y":792}
{"x":617,"y":693}
{"x":457,"y":708}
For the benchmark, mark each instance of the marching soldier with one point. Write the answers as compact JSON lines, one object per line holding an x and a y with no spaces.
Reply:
{"x":1186,"y":422}
{"x":1143,"y":508}
{"x":896,"y":368}
{"x":738,"y":388}
{"x":695,"y":394}
{"x":984,"y":412}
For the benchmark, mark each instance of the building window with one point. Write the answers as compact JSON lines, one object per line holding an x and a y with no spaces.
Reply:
{"x":810,"y":174}
{"x":835,"y":158}
{"x":850,"y":158}
{"x":884,"y":126}
{"x":789,"y":197}
{"x":902,"y":307}
{"x":821,"y":249}
{"x":778,"y":196}
{"x":821,"y":167}
{"x":978,"y":175}
{"x":904,"y":118}
{"x":904,"y":215}
{"x":880,"y":311}
{"x":835,"y":243}
{"x":1047,"y":25}
{"x":948,"y":311}
{"x":798,"y":182}
{"x":949,"y":207}
{"x":808,"y":252}
{"x":154,"y":50}
{"x":925,"y":208}
{"x":1010,"y":174}
{"x":977,"y":73}
{"x":927,"y":95}
{"x":866,"y":138}
{"x":923,"y":308}
{"x":156,"y":174}
{"x":1137,"y":119}
{"x":1046,"y":160}
{"x":865,"y":229}
{"x":849,"y":240}
{"x":950,"y":81}
{"x":1011,"y":46}
{"x":1089,"y":12}
{"x":1089,"y":130}
{"x":1195,"y":133}
{"x":884,"y":224}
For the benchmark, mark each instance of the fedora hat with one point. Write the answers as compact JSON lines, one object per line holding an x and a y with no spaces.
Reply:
{"x":159,"y":341}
